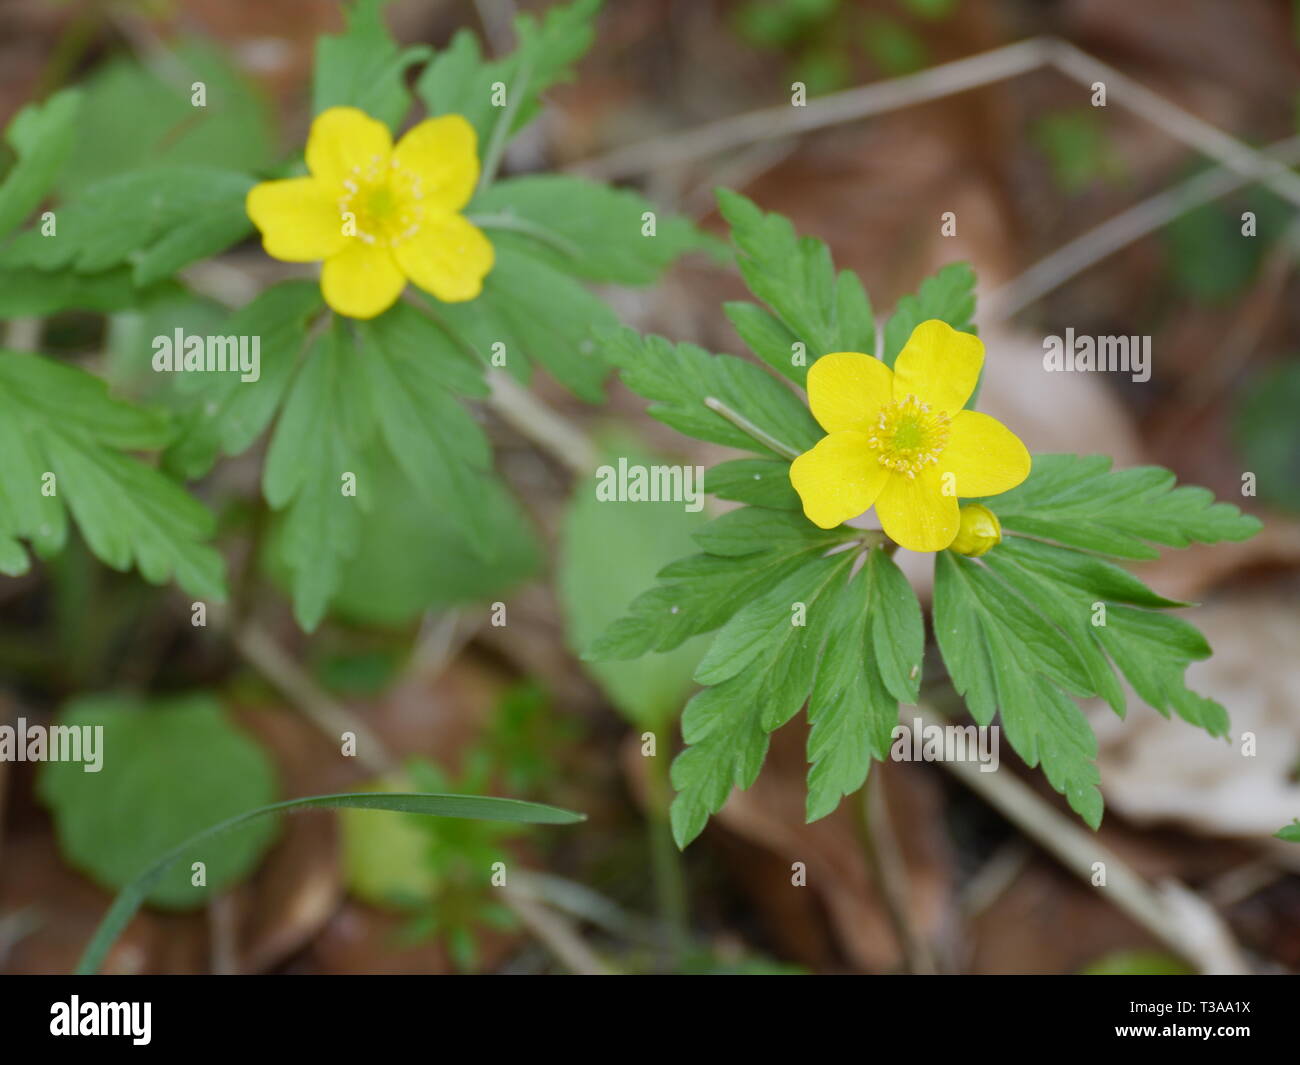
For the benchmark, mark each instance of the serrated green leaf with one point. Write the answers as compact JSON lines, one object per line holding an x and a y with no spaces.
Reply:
{"x":29,"y":293}
{"x":763,"y":626}
{"x":762,"y":482}
{"x":58,"y":420}
{"x":530,"y":310}
{"x":41,"y":135}
{"x":1002,"y":657}
{"x":897,"y":628}
{"x":795,"y":278}
{"x":441,"y":448}
{"x":949,"y":296}
{"x":610,"y":550}
{"x":589,"y":230}
{"x":139,"y":116}
{"x":459,"y":80}
{"x":321,"y":438}
{"x":363,"y":67}
{"x":680,"y":377}
{"x":419,"y":557}
{"x":157,"y":220}
{"x":228,"y":414}
{"x":752,"y":530}
{"x":1079,"y":502}
{"x":851,"y":714}
{"x":697,"y":595}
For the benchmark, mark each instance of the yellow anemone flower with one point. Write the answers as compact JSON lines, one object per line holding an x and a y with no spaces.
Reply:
{"x":900,"y":440}
{"x":379,"y":215}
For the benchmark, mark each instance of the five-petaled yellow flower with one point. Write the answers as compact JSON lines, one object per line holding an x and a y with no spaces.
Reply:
{"x":900,"y":440}
{"x":379,"y":215}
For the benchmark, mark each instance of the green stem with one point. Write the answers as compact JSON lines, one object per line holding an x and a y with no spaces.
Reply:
{"x":501,"y":131}
{"x":669,"y":876}
{"x":750,"y":429}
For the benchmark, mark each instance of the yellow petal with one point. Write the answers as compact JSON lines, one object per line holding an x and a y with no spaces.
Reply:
{"x":448,"y":257}
{"x":916,"y":514}
{"x":361,"y":281}
{"x":344,"y":143}
{"x":443,"y":153}
{"x":838,"y":479}
{"x":299,"y":219}
{"x":983,"y":455}
{"x":846,"y":389}
{"x":939,"y":366}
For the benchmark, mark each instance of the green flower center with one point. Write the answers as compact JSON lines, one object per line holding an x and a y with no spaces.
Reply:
{"x":908,"y":435}
{"x":380,"y":203}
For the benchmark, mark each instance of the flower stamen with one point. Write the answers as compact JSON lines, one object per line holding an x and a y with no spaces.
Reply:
{"x":908,"y":435}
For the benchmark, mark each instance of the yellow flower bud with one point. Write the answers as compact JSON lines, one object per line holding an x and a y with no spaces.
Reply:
{"x":979,"y":530}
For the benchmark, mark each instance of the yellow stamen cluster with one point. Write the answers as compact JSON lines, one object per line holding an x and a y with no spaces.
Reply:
{"x":386,"y":206}
{"x":908,"y":435}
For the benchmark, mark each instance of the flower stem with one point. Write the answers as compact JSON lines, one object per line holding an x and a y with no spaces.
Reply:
{"x":501,"y":131}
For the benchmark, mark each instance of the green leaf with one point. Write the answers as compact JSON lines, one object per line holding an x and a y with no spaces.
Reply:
{"x":459,"y":80}
{"x":949,"y":296}
{"x":157,"y":220}
{"x":751,"y":530}
{"x":699,"y":593}
{"x":680,"y":377}
{"x":136,"y":117}
{"x":363,"y":67}
{"x":419,"y":557}
{"x":435,"y":441}
{"x":609,"y":551}
{"x":56,"y":419}
{"x":536,"y":312}
{"x":810,"y":305}
{"x":585,"y":229}
{"x":762,"y":664}
{"x":1002,"y":657}
{"x":851,"y":713}
{"x":28,"y":293}
{"x":1290,"y":833}
{"x":319,"y":445}
{"x":763,"y":482}
{"x":227,"y":414}
{"x":1079,"y":502}
{"x":41,"y":135}
{"x":471,"y":806}
{"x":167,"y":770}
{"x":897,"y":629}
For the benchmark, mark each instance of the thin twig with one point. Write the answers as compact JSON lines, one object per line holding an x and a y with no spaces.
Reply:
{"x":552,"y":432}
{"x":555,"y":932}
{"x":832,"y":109}
{"x":1176,"y":121}
{"x":1123,"y":229}
{"x":333,"y":719}
{"x":885,"y":860}
{"x":947,"y":79}
{"x":1165,"y":913}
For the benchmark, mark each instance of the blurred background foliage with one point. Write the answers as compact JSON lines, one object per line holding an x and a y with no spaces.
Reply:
{"x":412,"y":650}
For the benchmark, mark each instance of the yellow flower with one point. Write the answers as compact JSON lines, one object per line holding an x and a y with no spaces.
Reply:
{"x":900,"y":440}
{"x":379,"y":215}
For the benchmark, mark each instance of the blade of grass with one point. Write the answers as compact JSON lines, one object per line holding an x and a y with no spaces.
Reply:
{"x":475,"y":807}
